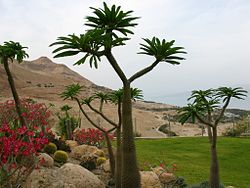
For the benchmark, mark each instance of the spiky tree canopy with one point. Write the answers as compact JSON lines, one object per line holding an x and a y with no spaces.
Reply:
{"x":12,"y":50}
{"x":207,"y":101}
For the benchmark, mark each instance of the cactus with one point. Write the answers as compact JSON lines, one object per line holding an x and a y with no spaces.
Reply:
{"x":50,"y":148}
{"x":100,"y":160}
{"x":99,"y":153}
{"x":60,"y":156}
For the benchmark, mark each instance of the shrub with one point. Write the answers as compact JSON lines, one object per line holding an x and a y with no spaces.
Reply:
{"x":60,"y":156}
{"x":165,"y":129}
{"x":93,"y":137}
{"x":238,"y":129}
{"x":19,"y":143}
{"x":100,"y":160}
{"x":50,"y":148}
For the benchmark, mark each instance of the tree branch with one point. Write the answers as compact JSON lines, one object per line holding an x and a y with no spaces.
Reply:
{"x":203,"y":121}
{"x":143,"y":71}
{"x":102,"y":115}
{"x":115,"y":66}
{"x":86,"y":115}
{"x":222,"y":111}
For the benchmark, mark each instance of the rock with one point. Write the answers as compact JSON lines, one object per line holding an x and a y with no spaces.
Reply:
{"x":68,"y":176}
{"x":43,"y":178}
{"x":106,"y":166}
{"x":230,"y":187}
{"x":149,"y":179}
{"x":45,"y":160}
{"x":71,"y":143}
{"x":78,"y":151}
{"x":164,"y":177}
{"x":79,"y":176}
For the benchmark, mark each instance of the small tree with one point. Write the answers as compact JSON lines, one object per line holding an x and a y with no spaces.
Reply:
{"x":8,"y":52}
{"x":114,"y":97}
{"x":109,"y":29}
{"x":205,"y":108}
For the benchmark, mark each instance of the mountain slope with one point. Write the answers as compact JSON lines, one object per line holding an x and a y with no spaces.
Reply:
{"x":43,"y":78}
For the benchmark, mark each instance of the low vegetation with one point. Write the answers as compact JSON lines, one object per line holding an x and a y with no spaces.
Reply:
{"x":191,"y":155}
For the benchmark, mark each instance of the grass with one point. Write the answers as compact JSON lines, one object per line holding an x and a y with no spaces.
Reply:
{"x":192,"y":156}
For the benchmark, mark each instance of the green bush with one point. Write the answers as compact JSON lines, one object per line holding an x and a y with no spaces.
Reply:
{"x":50,"y":148}
{"x":61,"y":156}
{"x":238,"y":129}
{"x":165,"y":129}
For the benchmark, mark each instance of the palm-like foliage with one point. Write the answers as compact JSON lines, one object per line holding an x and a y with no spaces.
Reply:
{"x":227,"y":92}
{"x":112,"y":20}
{"x":12,"y":50}
{"x":65,"y":108}
{"x":90,"y":43}
{"x":71,"y":91}
{"x":162,"y":50}
{"x":191,"y":111}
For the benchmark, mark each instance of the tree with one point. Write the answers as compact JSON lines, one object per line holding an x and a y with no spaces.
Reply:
{"x":10,"y":51}
{"x":205,"y":108}
{"x":110,"y":27}
{"x":115,"y":97}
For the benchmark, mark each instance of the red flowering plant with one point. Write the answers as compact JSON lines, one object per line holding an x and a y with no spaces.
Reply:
{"x":20,"y":144}
{"x":93,"y":137}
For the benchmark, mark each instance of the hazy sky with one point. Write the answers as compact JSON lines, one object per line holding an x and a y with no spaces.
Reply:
{"x":215,"y":33}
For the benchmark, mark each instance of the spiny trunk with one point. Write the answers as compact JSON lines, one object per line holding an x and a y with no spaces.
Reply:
{"x":214,"y":168}
{"x":111,"y":154}
{"x":14,"y":92}
{"x":130,"y":172}
{"x":118,"y":166}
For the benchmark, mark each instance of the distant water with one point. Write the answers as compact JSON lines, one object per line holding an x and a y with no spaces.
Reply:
{"x":180,"y":99}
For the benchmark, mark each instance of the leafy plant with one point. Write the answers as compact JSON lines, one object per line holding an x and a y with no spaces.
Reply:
{"x":109,"y":27}
{"x":205,"y":108}
{"x":67,"y":123}
{"x":9,"y":51}
{"x":19,"y":144}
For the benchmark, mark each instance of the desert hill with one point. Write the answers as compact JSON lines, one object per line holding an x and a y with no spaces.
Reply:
{"x":43,"y":80}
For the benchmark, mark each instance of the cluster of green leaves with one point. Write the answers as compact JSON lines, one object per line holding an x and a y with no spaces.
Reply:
{"x":73,"y":91}
{"x":205,"y":102}
{"x":12,"y":50}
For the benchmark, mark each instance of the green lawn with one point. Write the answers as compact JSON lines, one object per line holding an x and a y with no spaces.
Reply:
{"x":192,"y":156}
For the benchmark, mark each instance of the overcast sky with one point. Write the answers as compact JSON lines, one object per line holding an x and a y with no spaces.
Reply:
{"x":215,"y":33}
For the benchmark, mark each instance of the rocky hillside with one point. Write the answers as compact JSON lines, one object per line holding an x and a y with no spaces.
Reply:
{"x":43,"y":78}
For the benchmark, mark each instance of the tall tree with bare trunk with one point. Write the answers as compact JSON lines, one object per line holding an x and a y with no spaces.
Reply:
{"x":206,"y":109}
{"x":8,"y":52}
{"x":110,"y":27}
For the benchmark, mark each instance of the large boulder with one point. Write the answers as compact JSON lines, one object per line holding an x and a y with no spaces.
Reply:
{"x":43,"y":178}
{"x":79,"y":177}
{"x":68,"y":176}
{"x":79,"y":151}
{"x":149,"y":179}
{"x":45,"y":160}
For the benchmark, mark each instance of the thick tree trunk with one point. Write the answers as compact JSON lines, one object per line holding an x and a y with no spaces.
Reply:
{"x":14,"y":92}
{"x":214,"y":168}
{"x":111,"y":154}
{"x":118,"y":166}
{"x":130,"y":172}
